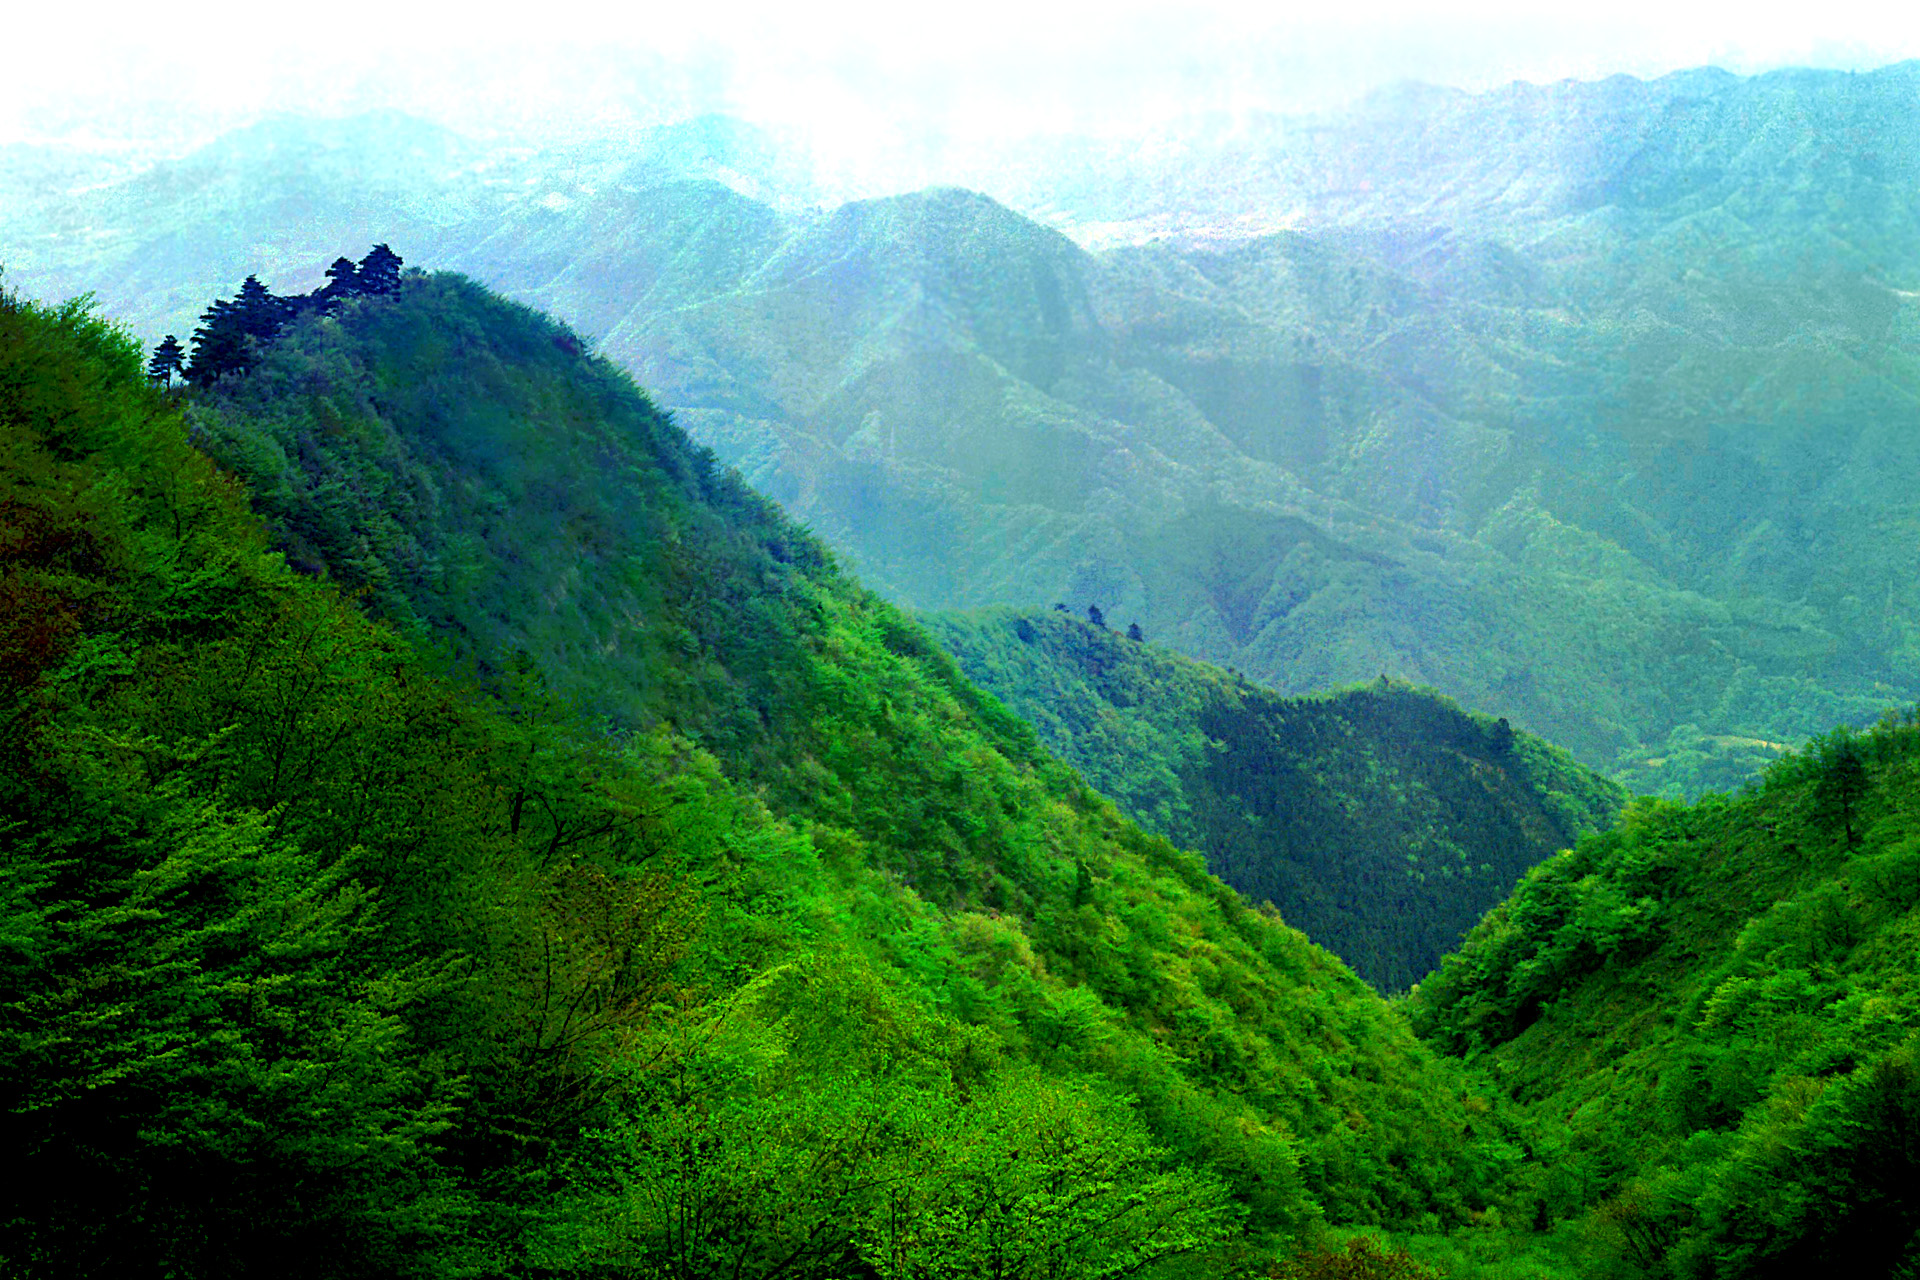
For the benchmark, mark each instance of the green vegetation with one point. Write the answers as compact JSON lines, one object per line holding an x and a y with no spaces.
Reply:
{"x":1710,"y":1019}
{"x":1590,"y":404}
{"x":1381,"y":820}
{"x":641,"y":898}
{"x":475,"y":835}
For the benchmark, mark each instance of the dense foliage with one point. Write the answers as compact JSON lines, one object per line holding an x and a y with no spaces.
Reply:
{"x":1381,"y":820}
{"x":803,"y":959}
{"x":1710,"y":1015}
{"x":233,"y":331}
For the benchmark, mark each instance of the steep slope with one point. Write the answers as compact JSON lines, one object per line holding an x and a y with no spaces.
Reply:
{"x":494,"y":488}
{"x":1382,"y":821}
{"x":1320,"y":461}
{"x":1584,"y":403}
{"x":1711,"y":1016}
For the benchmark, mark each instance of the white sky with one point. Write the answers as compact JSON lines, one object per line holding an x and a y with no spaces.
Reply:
{"x":962,"y":72}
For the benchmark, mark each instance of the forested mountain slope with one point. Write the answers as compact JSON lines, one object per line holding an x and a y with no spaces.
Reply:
{"x":1381,"y":820}
{"x":721,"y":925}
{"x":1585,"y":404}
{"x":1711,"y":1017}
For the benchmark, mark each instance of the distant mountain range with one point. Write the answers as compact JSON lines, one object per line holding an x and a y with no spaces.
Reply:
{"x":1590,"y":405}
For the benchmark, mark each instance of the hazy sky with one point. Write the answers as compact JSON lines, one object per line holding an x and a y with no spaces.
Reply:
{"x":856,"y":72}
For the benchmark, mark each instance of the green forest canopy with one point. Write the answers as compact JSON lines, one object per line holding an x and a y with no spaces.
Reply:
{"x":349,"y":945}
{"x":326,"y":961}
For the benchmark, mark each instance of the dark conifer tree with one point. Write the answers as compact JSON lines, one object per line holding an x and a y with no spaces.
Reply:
{"x":169,"y":359}
{"x":1134,"y":632}
{"x":1094,"y":616}
{"x":231,"y":330}
{"x":218,"y":344}
{"x":343,"y":279}
{"x":260,"y":314}
{"x":1842,"y":780}
{"x":380,"y":271}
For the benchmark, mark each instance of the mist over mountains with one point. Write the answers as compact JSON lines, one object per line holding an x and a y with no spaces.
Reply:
{"x":1587,"y":404}
{"x":452,"y":823}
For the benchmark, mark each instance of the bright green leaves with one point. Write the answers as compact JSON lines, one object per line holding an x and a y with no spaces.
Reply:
{"x":1717,"y":1003}
{"x":818,"y":1121}
{"x":1036,"y":1178}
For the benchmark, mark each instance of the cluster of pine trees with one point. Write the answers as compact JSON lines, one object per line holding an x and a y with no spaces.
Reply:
{"x":233,"y":330}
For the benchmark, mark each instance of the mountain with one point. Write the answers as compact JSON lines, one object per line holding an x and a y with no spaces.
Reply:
{"x":154,"y":241}
{"x":474,"y":833}
{"x":1380,"y":820}
{"x":1582,"y":403}
{"x":1708,"y":1015}
{"x":269,"y":199}
{"x":627,"y":862}
{"x":1300,"y":460}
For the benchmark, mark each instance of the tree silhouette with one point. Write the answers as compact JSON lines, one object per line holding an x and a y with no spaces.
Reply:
{"x":380,"y":271}
{"x":219,"y":346}
{"x":1134,"y":632}
{"x":1094,"y":616}
{"x":343,"y":279}
{"x":1842,"y":781}
{"x":232,"y":331}
{"x":259,"y":313}
{"x":169,"y":358}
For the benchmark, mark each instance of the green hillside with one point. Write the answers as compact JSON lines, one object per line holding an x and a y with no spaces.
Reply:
{"x":633,"y":894}
{"x":1588,"y":403}
{"x":1381,"y":820}
{"x":1710,"y":1019}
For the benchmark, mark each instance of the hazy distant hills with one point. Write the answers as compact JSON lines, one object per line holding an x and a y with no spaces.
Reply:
{"x":1589,"y":404}
{"x":1493,"y":162}
{"x":277,"y":197}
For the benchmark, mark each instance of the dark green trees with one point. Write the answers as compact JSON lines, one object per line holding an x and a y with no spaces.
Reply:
{"x":169,"y":359}
{"x":232,"y":331}
{"x":1840,"y":780}
{"x":380,"y":271}
{"x":342,"y":279}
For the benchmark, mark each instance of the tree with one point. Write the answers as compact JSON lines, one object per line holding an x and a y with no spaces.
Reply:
{"x":343,"y":279}
{"x":1035,"y":1178}
{"x":232,"y":330}
{"x":1094,"y":616}
{"x":1842,"y":779}
{"x":169,"y":358}
{"x":1134,"y":632}
{"x":380,"y":271}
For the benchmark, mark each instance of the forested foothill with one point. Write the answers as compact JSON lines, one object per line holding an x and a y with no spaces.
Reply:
{"x":348,"y":941}
{"x":1382,"y":820}
{"x":454,"y":827}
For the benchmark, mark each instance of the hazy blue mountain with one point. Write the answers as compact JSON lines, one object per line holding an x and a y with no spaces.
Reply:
{"x":1585,"y":403}
{"x":279,"y":196}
